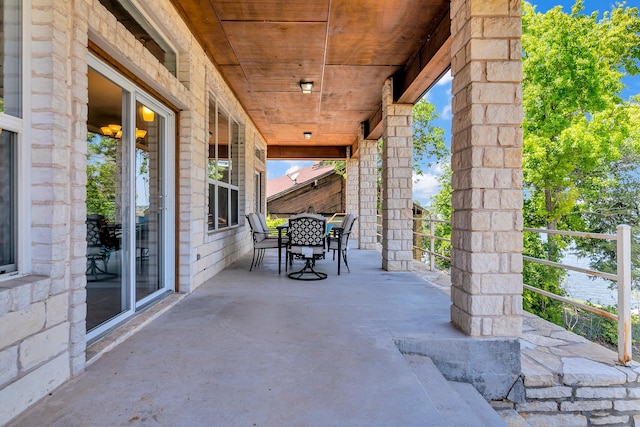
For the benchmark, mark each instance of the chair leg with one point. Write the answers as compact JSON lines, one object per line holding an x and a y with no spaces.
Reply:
{"x":307,"y":272}
{"x":253,"y":259}
{"x":344,"y":257}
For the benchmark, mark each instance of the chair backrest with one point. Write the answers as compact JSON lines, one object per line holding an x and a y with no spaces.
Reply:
{"x":256,"y":228}
{"x":93,"y":231}
{"x":263,"y":221}
{"x":307,"y":230}
{"x":347,"y":225}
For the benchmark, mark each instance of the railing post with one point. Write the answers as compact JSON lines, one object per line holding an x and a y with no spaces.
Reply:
{"x":432,"y":244}
{"x":624,"y":293}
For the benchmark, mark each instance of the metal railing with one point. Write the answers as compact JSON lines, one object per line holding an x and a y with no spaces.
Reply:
{"x":419,"y":236}
{"x":622,"y":276}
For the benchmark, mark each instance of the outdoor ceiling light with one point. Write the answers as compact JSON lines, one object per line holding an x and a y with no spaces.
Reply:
{"x":306,"y":87}
{"x":147,"y":114}
{"x":307,"y":135}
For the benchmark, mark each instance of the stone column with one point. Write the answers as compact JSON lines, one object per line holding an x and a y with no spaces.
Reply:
{"x":353,"y":201}
{"x":397,"y":186}
{"x":486,"y":161}
{"x":368,"y":191}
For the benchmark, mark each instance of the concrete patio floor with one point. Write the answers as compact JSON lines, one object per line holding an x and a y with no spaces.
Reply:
{"x":259,"y":349}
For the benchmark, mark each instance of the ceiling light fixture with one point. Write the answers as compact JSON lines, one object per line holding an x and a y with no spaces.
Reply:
{"x":306,"y":87}
{"x":307,"y":135}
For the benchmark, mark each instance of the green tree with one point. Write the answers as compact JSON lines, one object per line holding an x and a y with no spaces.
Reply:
{"x":577,"y":130}
{"x":575,"y":125}
{"x":101,"y":175}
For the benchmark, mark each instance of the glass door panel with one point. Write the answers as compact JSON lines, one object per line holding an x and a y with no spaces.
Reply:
{"x":148,"y":200}
{"x":107,"y":295}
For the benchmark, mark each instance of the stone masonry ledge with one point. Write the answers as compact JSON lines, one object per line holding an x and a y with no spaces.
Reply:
{"x":568,"y":380}
{"x":551,"y":355}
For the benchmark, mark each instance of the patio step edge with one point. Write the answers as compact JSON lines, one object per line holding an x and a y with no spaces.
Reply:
{"x":456,"y":404}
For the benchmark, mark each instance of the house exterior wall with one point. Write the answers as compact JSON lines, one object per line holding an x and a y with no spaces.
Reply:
{"x":42,"y":313}
{"x":326,"y":197}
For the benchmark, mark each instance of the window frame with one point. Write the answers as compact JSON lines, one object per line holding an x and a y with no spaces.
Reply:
{"x":232,"y":187}
{"x":22,"y":162}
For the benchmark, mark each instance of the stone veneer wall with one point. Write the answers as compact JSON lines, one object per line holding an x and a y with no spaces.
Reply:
{"x":368,"y":191}
{"x":604,"y":396}
{"x":352,"y":195}
{"x":397,"y":184}
{"x":486,"y":160}
{"x":42,"y":315}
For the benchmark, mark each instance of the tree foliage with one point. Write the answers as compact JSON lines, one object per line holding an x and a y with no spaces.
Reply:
{"x":101,"y":175}
{"x":575,"y":125}
{"x":580,"y":137}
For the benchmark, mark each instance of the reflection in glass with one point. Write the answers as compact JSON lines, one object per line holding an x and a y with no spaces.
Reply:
{"x":11,"y":57}
{"x":148,"y":201}
{"x":7,"y":202}
{"x":106,"y":296}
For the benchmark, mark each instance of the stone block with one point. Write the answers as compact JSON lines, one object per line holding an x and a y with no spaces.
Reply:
{"x":583,"y":372}
{"x":507,"y":326}
{"x":493,"y":157}
{"x":19,"y":395}
{"x":627,"y":405}
{"x":601,"y":392}
{"x":488,"y":7}
{"x":555,"y":392}
{"x":20,"y":297}
{"x":17,"y":325}
{"x":504,"y":114}
{"x":57,"y":309}
{"x":502,"y":27}
{"x":586,"y":405}
{"x":508,"y":71}
{"x":488,"y":49}
{"x":608,"y":420}
{"x":547,"y":420}
{"x":501,"y":284}
{"x":537,"y":406}
{"x":485,"y":305}
{"x":5,"y":301}
{"x":509,"y":241}
{"x":502,"y":221}
{"x":44,"y":346}
{"x":8,"y":364}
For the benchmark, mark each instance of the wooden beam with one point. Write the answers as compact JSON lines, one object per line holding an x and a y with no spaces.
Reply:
{"x":308,"y":152}
{"x":373,"y":126}
{"x":433,"y":60}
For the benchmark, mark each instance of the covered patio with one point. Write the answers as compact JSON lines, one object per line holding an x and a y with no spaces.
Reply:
{"x":257,"y":348}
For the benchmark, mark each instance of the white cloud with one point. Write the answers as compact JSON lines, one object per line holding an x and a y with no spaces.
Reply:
{"x":445,"y":79}
{"x":424,"y":187}
{"x":445,"y":114}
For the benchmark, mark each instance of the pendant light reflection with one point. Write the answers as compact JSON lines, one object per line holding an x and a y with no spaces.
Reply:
{"x":115,"y":131}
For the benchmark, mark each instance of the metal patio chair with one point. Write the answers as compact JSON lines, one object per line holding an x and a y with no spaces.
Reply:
{"x":307,"y":240}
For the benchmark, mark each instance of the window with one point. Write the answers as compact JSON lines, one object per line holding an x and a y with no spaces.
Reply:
{"x":222,"y":169}
{"x":11,"y":128}
{"x":133,"y":20}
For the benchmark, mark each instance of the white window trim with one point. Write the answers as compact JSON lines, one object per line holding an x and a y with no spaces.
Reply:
{"x":219,"y":106}
{"x":22,"y":127}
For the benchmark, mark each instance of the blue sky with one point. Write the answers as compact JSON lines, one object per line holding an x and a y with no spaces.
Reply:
{"x":440,"y":96}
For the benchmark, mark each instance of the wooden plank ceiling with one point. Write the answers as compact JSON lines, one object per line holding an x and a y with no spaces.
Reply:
{"x":347,"y":48}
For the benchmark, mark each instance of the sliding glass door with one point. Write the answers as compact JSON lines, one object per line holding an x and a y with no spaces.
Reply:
{"x":129,"y":199}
